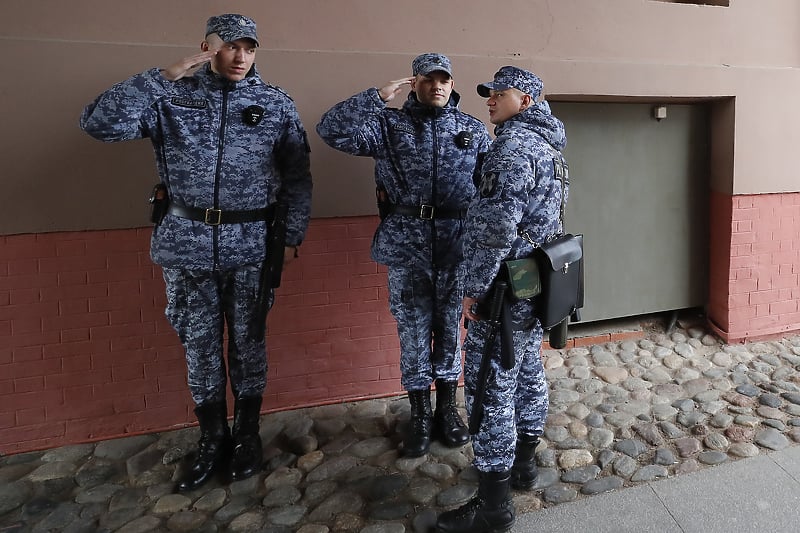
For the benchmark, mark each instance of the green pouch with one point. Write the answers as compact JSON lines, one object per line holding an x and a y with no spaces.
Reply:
{"x":523,"y":277}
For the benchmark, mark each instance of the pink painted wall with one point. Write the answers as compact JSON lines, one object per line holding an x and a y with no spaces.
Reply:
{"x":755,"y":265}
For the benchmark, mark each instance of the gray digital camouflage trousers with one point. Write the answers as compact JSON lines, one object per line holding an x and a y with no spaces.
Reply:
{"x":516,"y":400}
{"x":200,"y":304}
{"x":426,"y":304}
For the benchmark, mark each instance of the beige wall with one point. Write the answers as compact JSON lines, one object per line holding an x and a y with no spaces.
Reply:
{"x":59,"y":55}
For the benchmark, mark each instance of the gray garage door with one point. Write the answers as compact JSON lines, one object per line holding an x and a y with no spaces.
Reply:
{"x":639,"y":194}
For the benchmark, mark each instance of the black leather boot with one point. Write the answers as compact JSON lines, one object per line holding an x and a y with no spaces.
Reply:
{"x":418,"y":436}
{"x":448,"y":428}
{"x":524,"y":471}
{"x":213,"y":448}
{"x":490,"y":510}
{"x":247,"y":454}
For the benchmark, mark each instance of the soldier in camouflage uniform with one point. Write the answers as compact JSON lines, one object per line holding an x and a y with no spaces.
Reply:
{"x":517,"y":209}
{"x":228,"y":147}
{"x":425,"y":157}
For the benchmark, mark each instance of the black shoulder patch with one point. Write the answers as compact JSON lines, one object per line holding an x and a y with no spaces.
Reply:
{"x":182,"y":101}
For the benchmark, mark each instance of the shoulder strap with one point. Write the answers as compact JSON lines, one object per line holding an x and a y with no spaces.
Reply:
{"x":561,"y":173}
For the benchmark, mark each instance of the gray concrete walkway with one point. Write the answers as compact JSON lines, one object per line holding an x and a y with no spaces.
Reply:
{"x":760,"y":494}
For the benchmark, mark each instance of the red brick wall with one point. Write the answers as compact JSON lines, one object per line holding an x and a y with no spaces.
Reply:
{"x":86,"y":353}
{"x":755,"y":265}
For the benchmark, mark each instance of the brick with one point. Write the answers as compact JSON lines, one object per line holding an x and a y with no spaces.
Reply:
{"x":23,"y":297}
{"x":29,"y":400}
{"x":744,"y":286}
{"x":76,"y":364}
{"x":72,"y":278}
{"x":133,"y":387}
{"x":88,"y":429}
{"x":129,"y":315}
{"x":127,"y":372}
{"x":22,"y":437}
{"x":79,"y":394}
{"x":367,"y":280}
{"x":32,"y":384}
{"x":742,"y":238}
{"x":6,"y":388}
{"x":72,"y":292}
{"x":122,"y":275}
{"x":745,"y":214}
{"x":22,"y":267}
{"x":71,"y":349}
{"x":360,"y":332}
{"x":8,"y":420}
{"x":66,"y":248}
{"x":26,"y":417}
{"x":71,"y":264}
{"x":172,"y":383}
{"x":763,"y":297}
{"x":167,"y":399}
{"x":27,"y":353}
{"x":125,"y":330}
{"x":78,"y":306}
{"x":129,"y":404}
{"x":14,"y":250}
{"x":779,"y":308}
{"x":34,"y":339}
{"x":74,"y":335}
{"x":58,"y":382}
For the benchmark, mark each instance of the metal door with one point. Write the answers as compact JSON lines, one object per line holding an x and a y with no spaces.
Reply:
{"x":639,"y":194}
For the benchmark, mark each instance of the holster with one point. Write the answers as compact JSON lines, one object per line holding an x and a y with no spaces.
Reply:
{"x":159,"y":202}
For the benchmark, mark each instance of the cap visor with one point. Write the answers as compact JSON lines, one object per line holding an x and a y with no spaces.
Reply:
{"x":484,"y":89}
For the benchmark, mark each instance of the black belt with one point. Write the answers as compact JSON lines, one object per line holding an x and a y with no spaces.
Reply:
{"x":215,"y":217}
{"x":426,"y":212}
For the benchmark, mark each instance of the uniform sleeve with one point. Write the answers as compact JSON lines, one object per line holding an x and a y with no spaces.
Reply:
{"x":295,"y":169}
{"x":353,"y":126}
{"x":125,"y":111}
{"x":491,"y":224}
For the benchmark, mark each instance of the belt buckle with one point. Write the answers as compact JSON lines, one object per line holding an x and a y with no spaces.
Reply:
{"x":213,"y":217}
{"x":426,"y":212}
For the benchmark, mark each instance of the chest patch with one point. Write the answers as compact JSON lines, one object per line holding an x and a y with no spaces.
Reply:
{"x":405,"y":128}
{"x":194,"y":103}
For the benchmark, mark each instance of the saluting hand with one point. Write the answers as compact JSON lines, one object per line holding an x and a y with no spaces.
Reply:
{"x":177,"y":71}
{"x":390,"y":90}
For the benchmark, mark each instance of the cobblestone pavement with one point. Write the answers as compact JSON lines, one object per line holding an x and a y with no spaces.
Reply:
{"x":621,"y":413}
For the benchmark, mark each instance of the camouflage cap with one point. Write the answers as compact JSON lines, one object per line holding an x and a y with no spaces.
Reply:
{"x":231,"y":27}
{"x":507,"y":77}
{"x":426,"y":63}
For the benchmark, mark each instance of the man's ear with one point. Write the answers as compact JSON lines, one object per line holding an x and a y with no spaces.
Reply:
{"x":525,"y":102}
{"x":414,"y":84}
{"x":204,"y":46}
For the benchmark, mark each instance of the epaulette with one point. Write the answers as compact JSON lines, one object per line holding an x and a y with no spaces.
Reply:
{"x":287,"y":95}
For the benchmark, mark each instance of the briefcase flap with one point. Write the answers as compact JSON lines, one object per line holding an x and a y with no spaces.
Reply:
{"x":563,"y":251}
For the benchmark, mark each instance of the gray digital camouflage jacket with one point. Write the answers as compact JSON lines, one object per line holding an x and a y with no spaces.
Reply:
{"x":417,"y":161}
{"x":518,"y":193}
{"x":209,"y":156}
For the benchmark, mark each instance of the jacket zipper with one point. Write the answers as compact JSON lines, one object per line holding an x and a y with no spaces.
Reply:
{"x":218,"y":174}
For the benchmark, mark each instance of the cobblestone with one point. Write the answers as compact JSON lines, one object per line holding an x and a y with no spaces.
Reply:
{"x":622,"y":413}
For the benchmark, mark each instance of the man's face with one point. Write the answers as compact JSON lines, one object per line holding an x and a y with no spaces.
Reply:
{"x":505,"y":104}
{"x":433,"y":89}
{"x":233,"y":60}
